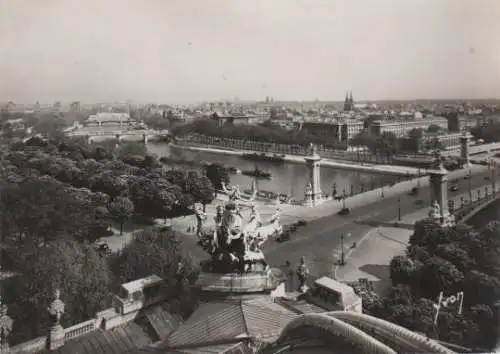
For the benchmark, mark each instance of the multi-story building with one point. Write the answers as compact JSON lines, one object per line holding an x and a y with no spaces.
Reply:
{"x":402,"y":127}
{"x":448,"y":141}
{"x":238,"y":119}
{"x":323,"y":129}
{"x":340,"y":130}
{"x":350,"y":129}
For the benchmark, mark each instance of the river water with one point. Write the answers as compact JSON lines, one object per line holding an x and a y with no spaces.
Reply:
{"x":287,"y":178}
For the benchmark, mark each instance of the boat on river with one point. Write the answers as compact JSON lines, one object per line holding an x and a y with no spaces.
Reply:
{"x":257,"y":173}
{"x":264,"y":157}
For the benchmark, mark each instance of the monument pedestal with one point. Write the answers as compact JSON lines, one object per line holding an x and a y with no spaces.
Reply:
{"x":254,"y":282}
{"x":313,"y":194}
{"x":56,"y":337}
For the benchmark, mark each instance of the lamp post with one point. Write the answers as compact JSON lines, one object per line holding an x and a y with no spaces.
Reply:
{"x":470,"y":185}
{"x":399,"y":208}
{"x":418,"y":179}
{"x":493,"y":177}
{"x":343,"y":198}
{"x":342,"y":255}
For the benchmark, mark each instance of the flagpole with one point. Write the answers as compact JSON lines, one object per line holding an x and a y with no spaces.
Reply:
{"x":438,"y":307}
{"x":461,"y":294}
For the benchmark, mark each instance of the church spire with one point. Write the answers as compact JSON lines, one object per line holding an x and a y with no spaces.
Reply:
{"x":346,"y":102}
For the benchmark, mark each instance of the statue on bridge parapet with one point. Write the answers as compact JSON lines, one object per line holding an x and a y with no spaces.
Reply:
{"x":201,"y":216}
{"x":313,"y":149}
{"x":435,"y":212}
{"x":302,"y":274}
{"x":235,"y":196}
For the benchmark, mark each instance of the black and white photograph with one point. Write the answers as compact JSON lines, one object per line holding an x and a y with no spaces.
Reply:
{"x":249,"y":176}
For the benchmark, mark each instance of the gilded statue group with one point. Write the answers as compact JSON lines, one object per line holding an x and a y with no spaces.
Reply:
{"x":235,"y":244}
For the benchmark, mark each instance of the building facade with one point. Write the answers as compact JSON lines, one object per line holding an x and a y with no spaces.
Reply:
{"x":402,"y":127}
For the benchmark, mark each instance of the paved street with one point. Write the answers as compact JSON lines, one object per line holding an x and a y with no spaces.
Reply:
{"x":319,"y":240}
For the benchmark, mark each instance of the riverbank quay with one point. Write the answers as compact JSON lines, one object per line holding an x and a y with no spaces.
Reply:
{"x":344,"y":165}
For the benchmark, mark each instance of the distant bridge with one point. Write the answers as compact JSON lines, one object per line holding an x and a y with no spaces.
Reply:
{"x":119,"y":134}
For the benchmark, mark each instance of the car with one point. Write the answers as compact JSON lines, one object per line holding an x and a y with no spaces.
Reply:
{"x":454,"y":188}
{"x":414,"y":191}
{"x":344,"y":211}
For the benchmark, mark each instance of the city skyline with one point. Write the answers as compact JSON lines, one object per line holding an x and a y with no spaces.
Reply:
{"x":290,"y":50}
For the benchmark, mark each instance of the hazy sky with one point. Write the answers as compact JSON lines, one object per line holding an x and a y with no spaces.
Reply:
{"x":193,"y":50}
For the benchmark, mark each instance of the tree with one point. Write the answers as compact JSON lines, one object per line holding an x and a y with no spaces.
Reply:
{"x":83,"y":278}
{"x":200,"y":187}
{"x":439,"y":275}
{"x":401,"y":269}
{"x":433,"y":128}
{"x":40,"y":209}
{"x":159,"y":251}
{"x":108,"y":182}
{"x":415,"y":139}
{"x":217,"y":174}
{"x":131,"y":149}
{"x":121,"y":208}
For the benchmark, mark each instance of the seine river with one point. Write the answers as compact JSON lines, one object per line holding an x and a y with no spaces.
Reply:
{"x":287,"y":178}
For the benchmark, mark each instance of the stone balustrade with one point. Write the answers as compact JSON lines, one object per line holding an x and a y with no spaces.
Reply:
{"x":235,"y":283}
{"x":79,"y":329}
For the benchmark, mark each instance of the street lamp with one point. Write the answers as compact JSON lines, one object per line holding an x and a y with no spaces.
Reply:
{"x":418,"y":179}
{"x":470,"y":185}
{"x":342,"y":255}
{"x":343,"y":198}
{"x":342,"y":251}
{"x":399,"y":208}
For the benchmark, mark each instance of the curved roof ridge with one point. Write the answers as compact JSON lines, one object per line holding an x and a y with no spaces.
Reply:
{"x":416,"y":338}
{"x":339,"y":328}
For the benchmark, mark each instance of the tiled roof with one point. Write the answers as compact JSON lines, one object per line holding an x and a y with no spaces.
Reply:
{"x":210,"y":322}
{"x":228,"y":319}
{"x":302,"y":306}
{"x":265,"y":322}
{"x":210,"y":349}
{"x":162,"y":321}
{"x":123,"y":339}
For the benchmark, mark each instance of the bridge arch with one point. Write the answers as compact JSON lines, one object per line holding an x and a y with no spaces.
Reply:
{"x":398,"y":333}
{"x":335,"y":328}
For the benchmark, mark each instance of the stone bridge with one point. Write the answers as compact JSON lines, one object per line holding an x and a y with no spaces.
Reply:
{"x":117,"y":133}
{"x":468,"y":208}
{"x":366,"y":333}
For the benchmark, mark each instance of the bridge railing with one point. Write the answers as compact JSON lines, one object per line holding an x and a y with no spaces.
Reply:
{"x":469,"y":206}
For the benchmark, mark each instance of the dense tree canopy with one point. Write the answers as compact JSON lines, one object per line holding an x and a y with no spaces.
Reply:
{"x":488,"y":132}
{"x":57,"y":197}
{"x":266,"y":133}
{"x":83,"y":278}
{"x":450,"y":259}
{"x":158,"y":251}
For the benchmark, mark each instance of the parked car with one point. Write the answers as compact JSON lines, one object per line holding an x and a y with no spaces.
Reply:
{"x":454,"y":188}
{"x":414,"y":191}
{"x":344,"y":211}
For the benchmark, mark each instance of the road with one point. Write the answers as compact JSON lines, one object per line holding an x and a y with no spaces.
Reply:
{"x":320,"y":238}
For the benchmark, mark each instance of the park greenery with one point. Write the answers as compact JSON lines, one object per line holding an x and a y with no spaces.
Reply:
{"x":265,"y":133}
{"x":58,"y":196}
{"x":488,"y":132}
{"x":448,"y":259}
